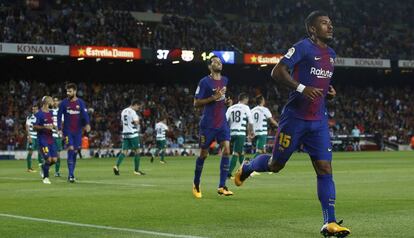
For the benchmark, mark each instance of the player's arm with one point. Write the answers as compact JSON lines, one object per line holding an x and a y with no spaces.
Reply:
{"x":199,"y":102}
{"x":29,"y":138}
{"x":135,"y":119}
{"x":228,"y":113}
{"x":61,"y":110}
{"x":273,"y":122}
{"x":38,"y":126}
{"x":85,"y":117}
{"x":250,"y":130}
{"x":269,"y":118}
{"x":280,"y":73}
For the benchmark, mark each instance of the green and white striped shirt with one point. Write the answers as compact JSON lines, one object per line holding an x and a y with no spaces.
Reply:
{"x":239,"y":116}
{"x":54,"y":115}
{"x":160,"y":129}
{"x":30,"y":121}
{"x":129,"y":128}
{"x":260,"y":117}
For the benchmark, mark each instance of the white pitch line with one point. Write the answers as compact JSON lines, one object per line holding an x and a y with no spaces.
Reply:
{"x":83,"y":181}
{"x":98,"y":227}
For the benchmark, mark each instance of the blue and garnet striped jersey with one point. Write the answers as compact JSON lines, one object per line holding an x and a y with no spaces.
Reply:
{"x":311,"y":65}
{"x":214,"y":113}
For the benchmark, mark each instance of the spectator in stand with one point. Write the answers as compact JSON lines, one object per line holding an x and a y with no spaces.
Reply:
{"x":212,"y":24}
{"x":387,"y":110}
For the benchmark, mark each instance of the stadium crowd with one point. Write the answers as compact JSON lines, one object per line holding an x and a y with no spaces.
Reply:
{"x":272,"y":25}
{"x":386,"y":110}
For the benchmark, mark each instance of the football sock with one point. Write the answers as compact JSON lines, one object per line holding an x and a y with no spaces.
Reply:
{"x":71,"y":162}
{"x":162,"y":155}
{"x":57,"y":165}
{"x":39,"y":158}
{"x":258,"y":164}
{"x":137,"y":159}
{"x":74,"y":161}
{"x":327,"y":196}
{"x":198,"y":170}
{"x":29,"y":160}
{"x":224,"y":170}
{"x":233,"y":163}
{"x":121,"y":157}
{"x":241,"y":158}
{"x":45,"y":168}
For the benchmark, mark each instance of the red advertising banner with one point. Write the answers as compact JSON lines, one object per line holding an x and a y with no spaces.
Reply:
{"x":105,"y":52}
{"x":262,"y":58}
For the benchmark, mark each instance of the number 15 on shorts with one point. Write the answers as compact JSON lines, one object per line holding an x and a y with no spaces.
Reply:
{"x":284,"y":140}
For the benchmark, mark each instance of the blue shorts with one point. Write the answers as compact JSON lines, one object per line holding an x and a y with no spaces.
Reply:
{"x":73,"y":139}
{"x":294,"y":132}
{"x":48,"y":150}
{"x":208,"y":135}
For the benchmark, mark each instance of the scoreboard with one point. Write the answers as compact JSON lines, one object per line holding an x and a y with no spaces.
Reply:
{"x":227,"y":57}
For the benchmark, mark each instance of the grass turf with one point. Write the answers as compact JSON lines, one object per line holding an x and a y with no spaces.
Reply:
{"x":375,"y":196}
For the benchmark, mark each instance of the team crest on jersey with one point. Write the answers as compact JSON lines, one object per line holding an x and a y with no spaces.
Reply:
{"x":77,"y":107}
{"x":224,"y":95}
{"x":332,"y":61}
{"x":290,"y":52}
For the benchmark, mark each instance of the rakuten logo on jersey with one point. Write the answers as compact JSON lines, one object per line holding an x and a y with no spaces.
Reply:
{"x":321,"y":73}
{"x":72,"y":112}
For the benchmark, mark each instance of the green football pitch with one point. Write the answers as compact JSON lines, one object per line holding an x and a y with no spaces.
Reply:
{"x":375,"y":197}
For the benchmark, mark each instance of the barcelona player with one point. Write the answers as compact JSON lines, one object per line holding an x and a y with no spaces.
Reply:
{"x":75,"y":118}
{"x":211,"y":96}
{"x":44,"y":126}
{"x":304,"y":118}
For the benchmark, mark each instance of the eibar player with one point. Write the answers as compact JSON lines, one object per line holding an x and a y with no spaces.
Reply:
{"x":32,"y":143}
{"x":240,"y":121}
{"x":160,"y":129}
{"x":261,"y":117}
{"x":211,"y":96}
{"x":56,"y":136}
{"x":304,"y":118}
{"x":130,"y":136}
{"x":44,"y":126}
{"x":75,"y":118}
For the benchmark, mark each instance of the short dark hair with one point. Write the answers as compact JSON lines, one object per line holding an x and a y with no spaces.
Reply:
{"x":259,"y":99}
{"x":310,"y":19}
{"x":243,"y":96}
{"x":71,"y":86}
{"x":135,"y":102}
{"x":210,"y":61}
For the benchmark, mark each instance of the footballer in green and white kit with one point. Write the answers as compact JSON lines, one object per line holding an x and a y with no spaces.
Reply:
{"x":130,"y":136}
{"x":32,"y":143}
{"x":261,"y":117}
{"x":161,"y":128}
{"x":240,"y":121}
{"x":56,"y":136}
